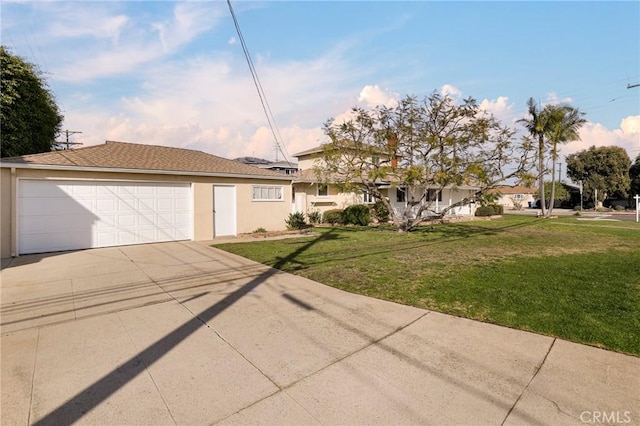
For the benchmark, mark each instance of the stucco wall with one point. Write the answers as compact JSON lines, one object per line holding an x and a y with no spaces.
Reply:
{"x":508,"y":200}
{"x":306,"y":162}
{"x":5,"y":212}
{"x":334,"y":199}
{"x":250,"y":214}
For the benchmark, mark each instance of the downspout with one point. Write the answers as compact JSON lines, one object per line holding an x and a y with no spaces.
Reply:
{"x":14,"y":214}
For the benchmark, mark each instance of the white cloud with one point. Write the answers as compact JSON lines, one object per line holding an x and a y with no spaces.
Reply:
{"x":232,"y":41}
{"x":595,"y":134}
{"x":134,"y":41}
{"x":110,"y":27}
{"x":630,"y":125}
{"x":554,"y":99}
{"x":451,"y":91}
{"x":501,"y":109}
{"x":211,"y":104}
{"x":373,"y":95}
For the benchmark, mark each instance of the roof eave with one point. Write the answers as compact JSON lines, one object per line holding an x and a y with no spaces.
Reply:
{"x":139,"y":171}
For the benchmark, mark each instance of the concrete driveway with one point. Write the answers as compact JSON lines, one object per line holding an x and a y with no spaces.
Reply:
{"x":181,"y":333}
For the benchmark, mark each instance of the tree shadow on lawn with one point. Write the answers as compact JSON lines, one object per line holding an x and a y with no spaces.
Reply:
{"x":428,"y":236}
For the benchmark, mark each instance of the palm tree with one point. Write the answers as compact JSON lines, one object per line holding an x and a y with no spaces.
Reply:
{"x":563,"y":124}
{"x":538,"y":126}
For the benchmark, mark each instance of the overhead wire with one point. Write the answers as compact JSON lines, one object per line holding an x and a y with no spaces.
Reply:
{"x":261,"y":94}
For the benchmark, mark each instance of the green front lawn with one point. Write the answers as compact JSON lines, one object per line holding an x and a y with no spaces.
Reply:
{"x":577,"y":280}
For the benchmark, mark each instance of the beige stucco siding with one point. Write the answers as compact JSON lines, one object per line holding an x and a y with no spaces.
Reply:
{"x":269,"y":215}
{"x":334,"y":200}
{"x":307,"y":162}
{"x":6,"y":204}
{"x":250,"y":214}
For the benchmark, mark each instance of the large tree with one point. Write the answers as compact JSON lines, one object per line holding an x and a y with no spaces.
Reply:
{"x":564,"y":124}
{"x":29,"y":115}
{"x":605,"y":169}
{"x":634,"y":176}
{"x":538,"y":126}
{"x":420,"y":145}
{"x":551,"y":126}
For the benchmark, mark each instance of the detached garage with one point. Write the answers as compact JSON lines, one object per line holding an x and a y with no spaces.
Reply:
{"x":122,"y":193}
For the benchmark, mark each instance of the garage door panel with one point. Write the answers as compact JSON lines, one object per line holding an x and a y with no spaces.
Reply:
{"x":165,"y":204}
{"x":105,"y":205}
{"x":127,"y":206}
{"x":86,"y":191}
{"x":66,"y":215}
{"x":129,"y":221}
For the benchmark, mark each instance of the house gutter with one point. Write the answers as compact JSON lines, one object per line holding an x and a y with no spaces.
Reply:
{"x":14,"y":166}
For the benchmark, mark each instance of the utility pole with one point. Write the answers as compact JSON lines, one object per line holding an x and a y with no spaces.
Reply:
{"x":66,"y":144}
{"x":560,"y":172}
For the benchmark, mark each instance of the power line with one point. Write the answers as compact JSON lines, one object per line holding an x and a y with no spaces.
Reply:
{"x":261,"y":94}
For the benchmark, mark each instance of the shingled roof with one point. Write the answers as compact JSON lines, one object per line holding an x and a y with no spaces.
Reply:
{"x":508,"y":190}
{"x":131,"y":156}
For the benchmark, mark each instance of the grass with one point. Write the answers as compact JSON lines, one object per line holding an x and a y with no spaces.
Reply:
{"x":577,"y":280}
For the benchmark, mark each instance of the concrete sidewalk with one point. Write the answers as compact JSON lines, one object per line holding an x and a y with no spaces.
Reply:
{"x":181,"y":333}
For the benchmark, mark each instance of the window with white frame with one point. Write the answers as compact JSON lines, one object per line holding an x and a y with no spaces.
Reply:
{"x":323,"y":190}
{"x":434,"y":195}
{"x":268,"y":193}
{"x":517,"y":197}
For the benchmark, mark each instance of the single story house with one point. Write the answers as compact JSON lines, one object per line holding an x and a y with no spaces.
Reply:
{"x":514,"y":197}
{"x":310,"y":194}
{"x":123,"y":193}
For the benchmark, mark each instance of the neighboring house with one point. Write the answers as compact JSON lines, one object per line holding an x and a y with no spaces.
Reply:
{"x":310,"y":194}
{"x":286,"y":167}
{"x":514,"y":197}
{"x":122,"y":193}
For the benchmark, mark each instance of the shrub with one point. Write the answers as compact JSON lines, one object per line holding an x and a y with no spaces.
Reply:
{"x":314,"y":217}
{"x":357,"y":214}
{"x":295,"y":221}
{"x":260,"y":230}
{"x":380,"y":212}
{"x":618,"y":207}
{"x":333,"y":216}
{"x":484,"y":211}
{"x":490,"y":210}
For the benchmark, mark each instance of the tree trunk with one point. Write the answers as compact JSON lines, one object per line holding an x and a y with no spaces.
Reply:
{"x":554,"y":157}
{"x":541,"y":172}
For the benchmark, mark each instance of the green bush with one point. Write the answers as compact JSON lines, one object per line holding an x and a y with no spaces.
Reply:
{"x":380,"y":212}
{"x":314,"y":217}
{"x":357,"y":214}
{"x":490,"y":210}
{"x":484,"y":211}
{"x":260,"y":230}
{"x":295,"y":221}
{"x":333,"y":216}
{"x":618,"y":207}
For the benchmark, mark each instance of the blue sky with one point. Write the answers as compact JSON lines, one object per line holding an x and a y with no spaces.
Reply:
{"x":173,"y":73}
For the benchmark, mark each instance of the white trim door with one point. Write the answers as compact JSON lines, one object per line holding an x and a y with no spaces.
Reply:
{"x":224,"y":211}
{"x":57,"y":215}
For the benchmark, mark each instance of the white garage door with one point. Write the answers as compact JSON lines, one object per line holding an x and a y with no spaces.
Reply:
{"x":69,"y":215}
